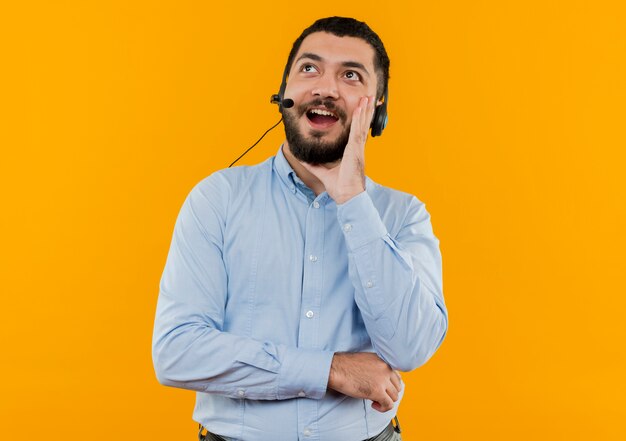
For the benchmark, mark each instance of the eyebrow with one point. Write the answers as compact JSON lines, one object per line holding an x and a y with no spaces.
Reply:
{"x":315,"y":57}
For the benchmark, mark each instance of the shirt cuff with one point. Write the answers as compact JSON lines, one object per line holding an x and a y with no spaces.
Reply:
{"x":304,"y":373}
{"x":360,"y":221}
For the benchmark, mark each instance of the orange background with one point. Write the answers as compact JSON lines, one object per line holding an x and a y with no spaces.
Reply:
{"x":506,"y":117}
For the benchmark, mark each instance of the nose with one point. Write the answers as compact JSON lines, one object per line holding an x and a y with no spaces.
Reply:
{"x":326,"y":87}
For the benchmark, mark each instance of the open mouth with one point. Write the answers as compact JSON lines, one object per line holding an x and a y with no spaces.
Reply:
{"x":321,"y":118}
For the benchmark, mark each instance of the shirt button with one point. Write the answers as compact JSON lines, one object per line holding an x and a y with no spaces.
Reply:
{"x":313,"y":258}
{"x":369,"y":284}
{"x":347,"y":228}
{"x":316,"y":204}
{"x":241,"y":393}
{"x":309,"y":314}
{"x":301,"y":394}
{"x":306,"y":432}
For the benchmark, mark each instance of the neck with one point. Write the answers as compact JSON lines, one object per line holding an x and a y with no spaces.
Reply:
{"x":309,"y":179}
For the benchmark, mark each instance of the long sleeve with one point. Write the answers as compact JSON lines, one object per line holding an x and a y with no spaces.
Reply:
{"x":190,"y":348}
{"x":397,"y":280}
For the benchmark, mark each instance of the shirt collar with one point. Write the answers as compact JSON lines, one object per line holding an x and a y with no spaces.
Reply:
{"x":284,"y":170}
{"x":289,"y":177}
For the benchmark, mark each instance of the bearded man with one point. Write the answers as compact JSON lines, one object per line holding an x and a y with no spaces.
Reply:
{"x":296,"y":290}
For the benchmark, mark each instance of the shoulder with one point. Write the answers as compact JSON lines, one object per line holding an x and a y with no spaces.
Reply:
{"x":390,"y":199}
{"x":398,"y":209}
{"x":223,"y":183}
{"x":216,"y":193}
{"x":209,"y":203}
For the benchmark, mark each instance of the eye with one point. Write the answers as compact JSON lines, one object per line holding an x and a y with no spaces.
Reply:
{"x":352,"y":75}
{"x":308,"y":68}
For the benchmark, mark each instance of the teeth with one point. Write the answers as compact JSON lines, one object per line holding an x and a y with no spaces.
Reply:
{"x":322,"y":112}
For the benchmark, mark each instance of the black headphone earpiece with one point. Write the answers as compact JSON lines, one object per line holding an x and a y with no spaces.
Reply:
{"x":379,"y":121}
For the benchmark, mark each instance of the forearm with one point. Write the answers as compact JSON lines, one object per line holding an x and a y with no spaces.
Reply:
{"x":191,"y":353}
{"x":397,"y":282}
{"x":402,"y":317}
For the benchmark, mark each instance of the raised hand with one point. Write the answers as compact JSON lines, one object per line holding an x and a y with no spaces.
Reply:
{"x":347,"y":179}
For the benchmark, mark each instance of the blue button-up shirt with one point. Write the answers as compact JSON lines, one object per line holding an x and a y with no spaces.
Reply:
{"x":265,"y":281}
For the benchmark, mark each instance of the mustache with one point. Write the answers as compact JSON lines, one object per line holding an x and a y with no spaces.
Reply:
{"x":328,"y":104}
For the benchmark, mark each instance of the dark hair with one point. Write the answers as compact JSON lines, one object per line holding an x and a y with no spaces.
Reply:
{"x":349,"y":27}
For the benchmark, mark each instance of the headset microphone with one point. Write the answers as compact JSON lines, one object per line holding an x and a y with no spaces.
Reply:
{"x":282,"y":103}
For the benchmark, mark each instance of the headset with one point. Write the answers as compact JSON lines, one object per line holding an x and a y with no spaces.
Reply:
{"x":379,"y":121}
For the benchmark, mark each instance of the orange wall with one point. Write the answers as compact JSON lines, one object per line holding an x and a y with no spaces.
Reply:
{"x":506,"y":117}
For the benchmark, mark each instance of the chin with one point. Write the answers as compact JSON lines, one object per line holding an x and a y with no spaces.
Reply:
{"x":314,"y":146}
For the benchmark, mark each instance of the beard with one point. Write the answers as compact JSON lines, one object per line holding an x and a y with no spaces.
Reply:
{"x":313,"y":149}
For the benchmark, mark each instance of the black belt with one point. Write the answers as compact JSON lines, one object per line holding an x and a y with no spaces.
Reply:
{"x":208,"y":436}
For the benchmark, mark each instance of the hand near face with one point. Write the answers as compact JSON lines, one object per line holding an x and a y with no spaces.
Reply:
{"x":347,"y":179}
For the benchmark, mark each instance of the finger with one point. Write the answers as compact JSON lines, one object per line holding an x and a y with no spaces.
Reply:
{"x":383,"y":398}
{"x":383,"y":405}
{"x":356,"y":115}
{"x":363,"y":105}
{"x":358,"y":133}
{"x":393,"y":392}
{"x":369,"y":115}
{"x":396,"y":380}
{"x":365,"y":114}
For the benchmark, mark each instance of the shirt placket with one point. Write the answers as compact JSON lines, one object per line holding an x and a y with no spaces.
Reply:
{"x":308,"y":335}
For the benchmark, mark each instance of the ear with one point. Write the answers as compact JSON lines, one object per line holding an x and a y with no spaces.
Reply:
{"x":379,"y":102}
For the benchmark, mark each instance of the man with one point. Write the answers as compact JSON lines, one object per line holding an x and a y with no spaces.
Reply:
{"x":295,"y":290}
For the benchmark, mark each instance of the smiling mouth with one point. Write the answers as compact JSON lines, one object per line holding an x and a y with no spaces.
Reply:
{"x":321,"y":118}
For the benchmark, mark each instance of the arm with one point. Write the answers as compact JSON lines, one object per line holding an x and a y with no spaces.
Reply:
{"x":397,"y":281}
{"x":190,"y":348}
